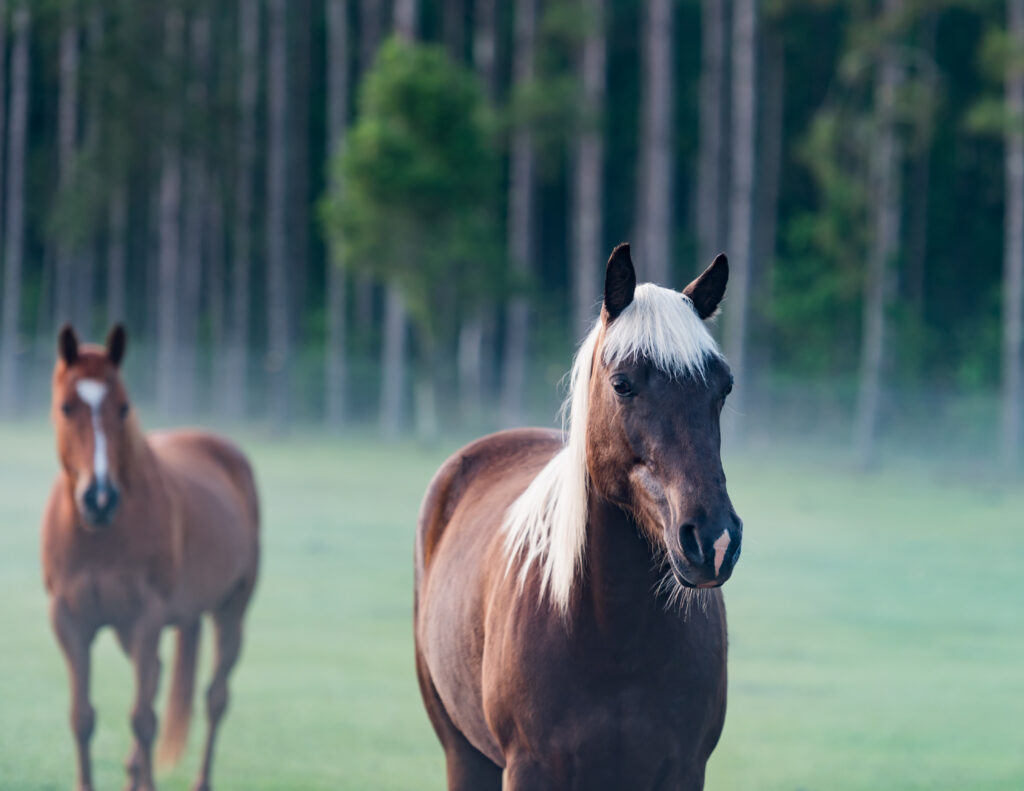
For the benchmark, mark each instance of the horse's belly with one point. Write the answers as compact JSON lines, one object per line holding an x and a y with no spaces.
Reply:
{"x":215,"y":558}
{"x":449,"y":639}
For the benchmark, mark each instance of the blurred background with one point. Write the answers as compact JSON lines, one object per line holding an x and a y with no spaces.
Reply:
{"x":356,"y":233}
{"x":296,"y":229}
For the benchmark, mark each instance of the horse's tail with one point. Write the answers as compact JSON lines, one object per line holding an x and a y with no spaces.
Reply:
{"x":179,"y":702}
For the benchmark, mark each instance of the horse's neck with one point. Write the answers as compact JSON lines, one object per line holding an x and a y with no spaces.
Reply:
{"x":140,"y":469}
{"x":620,"y":577}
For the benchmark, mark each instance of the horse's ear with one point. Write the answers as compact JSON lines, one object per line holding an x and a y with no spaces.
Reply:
{"x":67,"y":344}
{"x":619,"y":281}
{"x":117,"y":339}
{"x":708,"y":289}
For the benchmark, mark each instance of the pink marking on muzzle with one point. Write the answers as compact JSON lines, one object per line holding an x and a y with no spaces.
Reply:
{"x":720,"y":545}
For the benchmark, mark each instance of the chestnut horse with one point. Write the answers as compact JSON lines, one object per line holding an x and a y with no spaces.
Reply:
{"x":557,"y":641}
{"x":143,"y":532}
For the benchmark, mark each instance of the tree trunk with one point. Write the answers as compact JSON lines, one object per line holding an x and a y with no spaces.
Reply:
{"x":14,"y":225}
{"x":300,"y":47}
{"x":337,"y":120}
{"x":392,"y":389}
{"x":85,"y":259}
{"x":405,"y":19}
{"x":712,"y":164}
{"x":278,"y":286}
{"x":886,"y":200}
{"x":117,"y":228}
{"x":741,"y":199}
{"x":3,"y":99}
{"x":427,"y":424}
{"x":371,"y":23}
{"x":920,"y":179}
{"x":485,"y":46}
{"x":394,"y":350}
{"x":44,"y":319}
{"x":371,"y":26}
{"x":67,"y":141}
{"x":215,"y":273}
{"x":520,"y":224}
{"x":470,"y":357}
{"x":1013,"y":259}
{"x":769,"y":168}
{"x":151,"y":311}
{"x":587,"y":189}
{"x":170,"y":237}
{"x":195,"y":212}
{"x":654,"y":196}
{"x":235,"y":382}
{"x":455,"y":28}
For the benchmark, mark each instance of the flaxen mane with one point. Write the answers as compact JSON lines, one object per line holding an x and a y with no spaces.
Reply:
{"x":547,"y":523}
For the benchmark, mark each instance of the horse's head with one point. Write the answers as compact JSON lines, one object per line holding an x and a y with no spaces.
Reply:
{"x":657,"y":390}
{"x":90,"y":412}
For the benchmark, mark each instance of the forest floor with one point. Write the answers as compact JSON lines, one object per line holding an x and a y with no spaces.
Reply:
{"x":876,"y":623}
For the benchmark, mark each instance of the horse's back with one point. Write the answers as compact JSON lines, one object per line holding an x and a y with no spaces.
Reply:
{"x":218,"y":507}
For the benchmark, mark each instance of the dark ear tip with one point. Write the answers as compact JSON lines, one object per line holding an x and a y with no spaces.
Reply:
{"x":620,"y":254}
{"x":117,"y":339}
{"x":619,"y":280}
{"x":67,"y":343}
{"x":721,"y":260}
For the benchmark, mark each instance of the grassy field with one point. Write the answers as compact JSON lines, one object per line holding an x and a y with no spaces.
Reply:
{"x":877,"y":630}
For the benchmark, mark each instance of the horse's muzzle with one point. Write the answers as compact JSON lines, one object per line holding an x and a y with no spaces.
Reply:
{"x":704,"y":557}
{"x":99,"y":503}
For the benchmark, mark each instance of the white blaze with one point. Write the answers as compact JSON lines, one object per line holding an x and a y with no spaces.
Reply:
{"x":720,"y":546}
{"x":92,"y":393}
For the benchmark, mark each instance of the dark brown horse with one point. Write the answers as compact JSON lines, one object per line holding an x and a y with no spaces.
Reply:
{"x":143,"y":532}
{"x":568,"y":633}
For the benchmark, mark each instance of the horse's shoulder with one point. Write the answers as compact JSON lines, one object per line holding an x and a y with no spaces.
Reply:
{"x":493,"y":456}
{"x":56,"y":515}
{"x":495,"y":460}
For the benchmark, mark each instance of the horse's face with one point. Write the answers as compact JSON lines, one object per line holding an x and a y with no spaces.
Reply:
{"x":90,"y":411}
{"x":654,"y":443}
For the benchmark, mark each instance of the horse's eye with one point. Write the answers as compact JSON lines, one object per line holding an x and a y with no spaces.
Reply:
{"x":728,"y":389}
{"x":67,"y":407}
{"x":123,"y":411}
{"x":622,"y":386}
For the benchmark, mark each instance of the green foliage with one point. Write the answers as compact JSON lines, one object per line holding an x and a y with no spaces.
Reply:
{"x":549,"y":105}
{"x":820,"y":282}
{"x":417,"y":187}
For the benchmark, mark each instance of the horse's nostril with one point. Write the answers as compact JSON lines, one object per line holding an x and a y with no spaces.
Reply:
{"x":691,"y":543}
{"x":99,"y":502}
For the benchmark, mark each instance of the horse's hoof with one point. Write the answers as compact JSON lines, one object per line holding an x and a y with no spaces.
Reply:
{"x":202,"y":786}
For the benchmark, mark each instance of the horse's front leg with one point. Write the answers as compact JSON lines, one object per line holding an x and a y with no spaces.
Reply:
{"x":143,"y":641}
{"x":75,"y":640}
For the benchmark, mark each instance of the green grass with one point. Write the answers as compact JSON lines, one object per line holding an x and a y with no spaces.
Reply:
{"x":876,"y":621}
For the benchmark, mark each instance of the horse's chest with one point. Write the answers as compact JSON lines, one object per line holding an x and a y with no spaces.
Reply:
{"x":632,"y":714}
{"x":105,"y":596}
